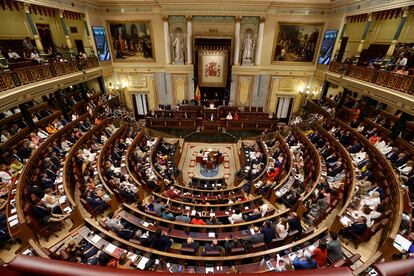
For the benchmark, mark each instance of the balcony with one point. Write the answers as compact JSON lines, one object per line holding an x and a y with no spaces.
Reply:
{"x":25,"y":84}
{"x":401,"y":83}
{"x":27,"y":75}
{"x":387,"y":87}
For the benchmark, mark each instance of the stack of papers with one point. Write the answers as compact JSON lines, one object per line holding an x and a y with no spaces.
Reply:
{"x":96,"y":239}
{"x":62,"y":199}
{"x":142,"y":263}
{"x":67,"y":210}
{"x":211,"y":234}
{"x":133,"y":257}
{"x":12,"y":217}
{"x":292,"y":256}
{"x":110,"y":248}
{"x":13,"y":222}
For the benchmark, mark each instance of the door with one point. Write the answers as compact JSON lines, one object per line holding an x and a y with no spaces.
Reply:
{"x":283,"y":108}
{"x":79,"y":45}
{"x":140,"y":105}
{"x":45,"y":35}
{"x":344,"y":42}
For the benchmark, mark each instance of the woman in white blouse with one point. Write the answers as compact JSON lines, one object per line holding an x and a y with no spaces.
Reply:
{"x":282,"y":228}
{"x":237,"y":215}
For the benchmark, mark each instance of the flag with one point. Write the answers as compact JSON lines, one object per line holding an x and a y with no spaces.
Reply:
{"x":197,"y":95}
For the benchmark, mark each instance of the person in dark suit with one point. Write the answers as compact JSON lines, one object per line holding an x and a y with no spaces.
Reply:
{"x":268,"y":231}
{"x":214,"y":246}
{"x":190,"y":243}
{"x":254,"y":215}
{"x":399,"y":161}
{"x":392,"y":155}
{"x":24,"y":152}
{"x":46,"y":182}
{"x":160,"y":241}
{"x":356,"y":147}
{"x":357,"y":228}
{"x":295,"y":223}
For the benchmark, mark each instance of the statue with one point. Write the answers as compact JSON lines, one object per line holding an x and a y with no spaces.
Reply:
{"x":178,"y":46}
{"x":247,"y":48}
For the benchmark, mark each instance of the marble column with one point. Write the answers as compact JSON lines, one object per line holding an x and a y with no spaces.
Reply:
{"x":65,"y":31}
{"x":364,"y":34}
{"x":237,"y":41}
{"x":397,"y":33}
{"x":167,"y":41}
{"x":33,"y":29}
{"x":189,"y":40}
{"x":88,"y":36}
{"x":259,"y":42}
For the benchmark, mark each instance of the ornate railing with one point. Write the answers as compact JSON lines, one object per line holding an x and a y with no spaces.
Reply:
{"x":391,"y":80}
{"x":23,"y":76}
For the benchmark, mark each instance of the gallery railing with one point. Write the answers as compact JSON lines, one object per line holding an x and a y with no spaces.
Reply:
{"x":23,"y":76}
{"x":402,"y":83}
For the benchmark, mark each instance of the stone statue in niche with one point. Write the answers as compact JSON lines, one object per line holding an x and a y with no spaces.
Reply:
{"x":248,"y":47}
{"x":178,"y":45}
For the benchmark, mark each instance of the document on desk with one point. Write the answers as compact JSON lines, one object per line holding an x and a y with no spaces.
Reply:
{"x":62,"y":199}
{"x":211,"y":234}
{"x":252,"y":231}
{"x":110,"y":248}
{"x":96,"y":239}
{"x":133,"y":257}
{"x":13,"y":222}
{"x":401,"y":243}
{"x":12,"y":217}
{"x":145,"y":224}
{"x":209,"y":270}
{"x":193,"y":212}
{"x":311,"y":248}
{"x":292,"y":256}
{"x":142,"y":263}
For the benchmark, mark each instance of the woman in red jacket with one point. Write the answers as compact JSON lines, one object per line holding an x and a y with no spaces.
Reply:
{"x":320,"y":254}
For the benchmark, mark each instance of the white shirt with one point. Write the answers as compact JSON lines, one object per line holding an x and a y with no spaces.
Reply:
{"x":371,"y":202}
{"x":263,"y":209}
{"x":380,"y":145}
{"x":7,"y":113}
{"x":35,"y":56}
{"x":359,"y":156}
{"x":404,"y":169}
{"x":42,"y":134}
{"x":402,"y":61}
{"x":13,"y":55}
{"x":386,"y":149}
{"x":235,"y":217}
{"x":5,"y":177}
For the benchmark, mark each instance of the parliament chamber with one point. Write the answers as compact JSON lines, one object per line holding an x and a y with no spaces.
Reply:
{"x":211,"y":137}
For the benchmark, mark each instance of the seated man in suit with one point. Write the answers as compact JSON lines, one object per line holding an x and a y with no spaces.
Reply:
{"x":46,"y":182}
{"x":294,"y":223}
{"x":213,"y":246}
{"x":304,"y":261}
{"x":355,"y":229}
{"x":160,"y":240}
{"x":253,"y":216}
{"x":399,"y":161}
{"x":255,"y":238}
{"x":190,"y":243}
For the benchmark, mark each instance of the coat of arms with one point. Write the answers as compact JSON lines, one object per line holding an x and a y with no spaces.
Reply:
{"x":212,"y":69}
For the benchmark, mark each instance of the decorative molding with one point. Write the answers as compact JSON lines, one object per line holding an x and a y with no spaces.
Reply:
{"x":213,"y":19}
